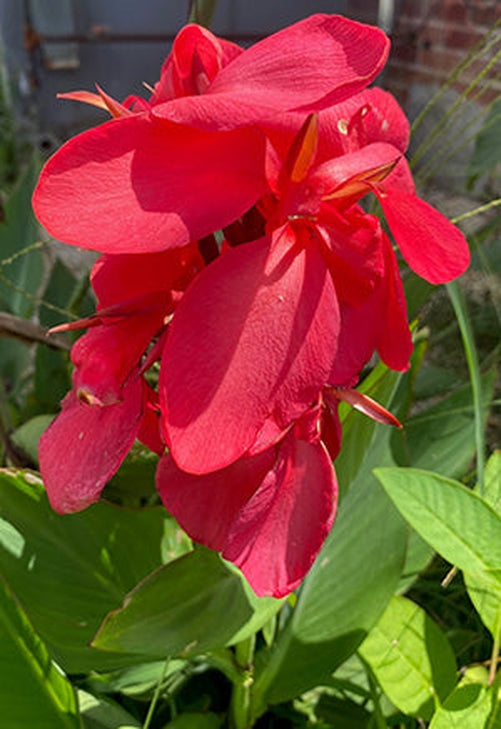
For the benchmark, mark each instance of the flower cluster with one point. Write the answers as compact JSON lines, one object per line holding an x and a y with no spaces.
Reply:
{"x":237,"y":255}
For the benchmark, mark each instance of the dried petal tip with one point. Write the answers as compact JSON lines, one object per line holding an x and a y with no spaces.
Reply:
{"x":365,"y":404}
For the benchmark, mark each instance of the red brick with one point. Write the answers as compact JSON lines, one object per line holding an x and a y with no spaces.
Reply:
{"x":453,"y":11}
{"x":463,"y":38}
{"x":442,"y":60}
{"x":413,"y":8}
{"x":404,"y":47}
{"x":486,"y":13}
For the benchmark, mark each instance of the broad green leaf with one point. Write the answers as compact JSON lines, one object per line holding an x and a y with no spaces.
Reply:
{"x":28,"y":434}
{"x":484,"y":589}
{"x":70,"y":571}
{"x":341,"y":712}
{"x":419,"y":554}
{"x":136,"y":680}
{"x":441,"y":438}
{"x":98,"y":713}
{"x":457,"y":523}
{"x":134,"y":482}
{"x":178,"y":609}
{"x":17,"y":232}
{"x":411,"y":658}
{"x":33,"y":691}
{"x":363,"y":555}
{"x":468,"y":706}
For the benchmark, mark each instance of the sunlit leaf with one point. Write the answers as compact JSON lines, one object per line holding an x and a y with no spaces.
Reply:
{"x":468,"y":706}
{"x":99,"y":713}
{"x":411,"y":658}
{"x":447,"y":515}
{"x":33,"y":691}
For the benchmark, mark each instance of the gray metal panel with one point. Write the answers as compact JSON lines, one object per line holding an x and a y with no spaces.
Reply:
{"x":267,"y":16}
{"x":123,"y":43}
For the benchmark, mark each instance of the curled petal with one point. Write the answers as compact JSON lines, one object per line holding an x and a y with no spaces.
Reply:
{"x":269,"y":514}
{"x":254,"y":337}
{"x":206,"y":506}
{"x":365,"y":404}
{"x":136,"y":185}
{"x":196,"y":57}
{"x":85,"y":445}
{"x":278,"y":533}
{"x":432,"y":246}
{"x":349,"y":177}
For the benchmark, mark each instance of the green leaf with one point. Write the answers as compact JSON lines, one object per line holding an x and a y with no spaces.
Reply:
{"x":177,"y":610}
{"x":484,"y":589}
{"x":341,"y":712}
{"x":19,"y":231}
{"x":134,"y":482}
{"x":28,"y":434}
{"x":492,"y":481}
{"x":136,"y":680}
{"x":455,"y":521}
{"x":70,"y":571}
{"x":33,"y":691}
{"x":363,"y":555}
{"x":98,"y":713}
{"x":468,"y":706}
{"x":441,"y":438}
{"x":411,"y":658}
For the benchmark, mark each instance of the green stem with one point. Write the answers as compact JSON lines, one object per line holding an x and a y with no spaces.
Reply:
{"x":156,"y":695}
{"x":495,"y":652}
{"x":240,"y":708}
{"x":460,"y":310}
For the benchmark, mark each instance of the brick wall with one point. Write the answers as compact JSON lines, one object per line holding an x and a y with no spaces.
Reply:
{"x":430,"y":38}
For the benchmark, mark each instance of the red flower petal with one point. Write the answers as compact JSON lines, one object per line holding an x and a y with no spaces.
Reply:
{"x":432,"y":246}
{"x":278,"y":533}
{"x":85,"y":445}
{"x":253,"y":337}
{"x":371,"y":116}
{"x":269,"y":514}
{"x":121,"y":278}
{"x":196,"y":58}
{"x":394,"y":343}
{"x":310,"y":65}
{"x":206,"y":506}
{"x":137,"y":185}
{"x":106,"y":355}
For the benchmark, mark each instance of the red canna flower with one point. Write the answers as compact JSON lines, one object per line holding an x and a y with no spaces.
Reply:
{"x":258,"y":347}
